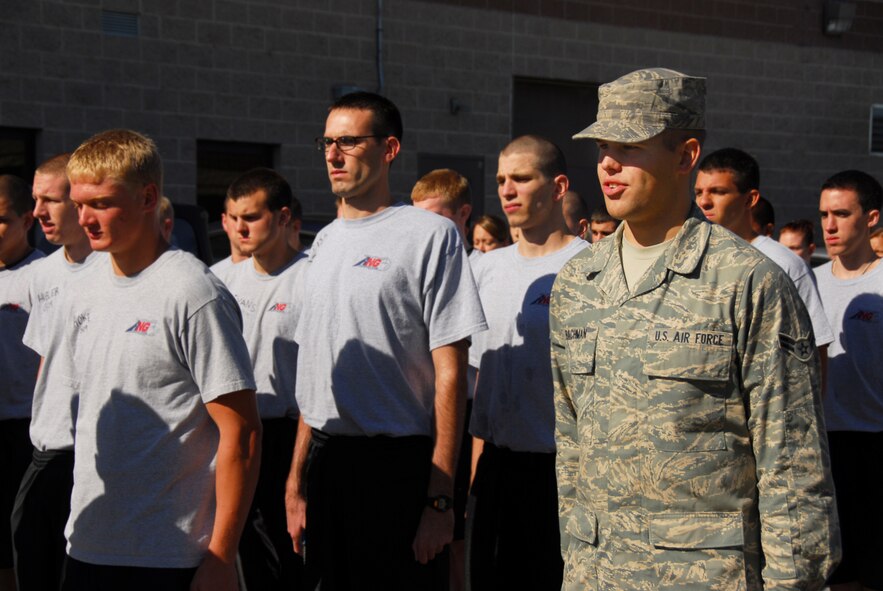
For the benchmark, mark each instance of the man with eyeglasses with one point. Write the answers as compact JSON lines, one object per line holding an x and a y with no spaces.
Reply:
{"x":389,"y":304}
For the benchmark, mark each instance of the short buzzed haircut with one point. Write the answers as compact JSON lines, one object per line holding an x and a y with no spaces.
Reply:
{"x":866,"y":187}
{"x":120,"y":154}
{"x":763,"y":213}
{"x":746,"y":172}
{"x":273,"y":184}
{"x":17,"y":192}
{"x":550,"y":158}
{"x":449,"y":185}
{"x":386,"y":120}
{"x":55,"y":166}
{"x":575,"y":206}
{"x":802,"y":227}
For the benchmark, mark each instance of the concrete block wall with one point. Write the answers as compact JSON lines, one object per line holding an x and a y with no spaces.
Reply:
{"x":262,"y":71}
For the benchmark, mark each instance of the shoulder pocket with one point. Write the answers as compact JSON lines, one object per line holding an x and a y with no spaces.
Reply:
{"x":692,"y":531}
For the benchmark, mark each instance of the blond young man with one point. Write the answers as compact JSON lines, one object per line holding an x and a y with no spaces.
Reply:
{"x":43,"y":502}
{"x":167,"y":432}
{"x":18,"y":364}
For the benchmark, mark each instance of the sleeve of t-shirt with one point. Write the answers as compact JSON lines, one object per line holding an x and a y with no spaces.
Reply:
{"x":479,"y":341}
{"x":452,"y":309}
{"x":809,"y":293}
{"x":215,"y":350}
{"x":34,"y":331}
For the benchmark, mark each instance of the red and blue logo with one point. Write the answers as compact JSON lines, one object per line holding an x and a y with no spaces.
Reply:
{"x":278,"y":307}
{"x":864,"y":316}
{"x":543,"y":300}
{"x":143,"y":327}
{"x":376,"y":263}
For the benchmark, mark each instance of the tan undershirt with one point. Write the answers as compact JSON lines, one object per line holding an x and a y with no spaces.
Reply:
{"x":637,"y":259}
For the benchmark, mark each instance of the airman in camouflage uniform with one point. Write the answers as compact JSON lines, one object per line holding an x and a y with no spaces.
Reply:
{"x":691,"y":451}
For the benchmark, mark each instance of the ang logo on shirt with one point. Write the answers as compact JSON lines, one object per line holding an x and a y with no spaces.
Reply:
{"x":376,"y":263}
{"x":865,"y":316}
{"x":278,"y":307}
{"x":143,"y":327}
{"x":543,"y":300}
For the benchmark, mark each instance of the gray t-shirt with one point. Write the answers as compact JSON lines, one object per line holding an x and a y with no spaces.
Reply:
{"x":223,"y":265}
{"x":149,"y":352}
{"x":269,"y":317}
{"x":854,"y":396}
{"x":380,"y":293}
{"x":514,"y":401}
{"x":18,"y":364}
{"x":801,"y":274}
{"x":54,"y":410}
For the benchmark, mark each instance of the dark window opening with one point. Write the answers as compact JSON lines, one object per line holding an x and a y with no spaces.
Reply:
{"x":557,"y":110}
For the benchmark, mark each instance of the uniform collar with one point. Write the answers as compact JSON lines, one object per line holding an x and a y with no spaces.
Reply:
{"x":682,"y":256}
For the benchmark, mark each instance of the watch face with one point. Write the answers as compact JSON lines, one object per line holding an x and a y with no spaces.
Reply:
{"x":440,"y":503}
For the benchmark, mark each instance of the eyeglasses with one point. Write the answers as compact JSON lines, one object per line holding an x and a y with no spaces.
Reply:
{"x":345,"y":143}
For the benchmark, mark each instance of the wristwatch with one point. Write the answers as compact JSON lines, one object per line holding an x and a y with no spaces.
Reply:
{"x":441,"y":503}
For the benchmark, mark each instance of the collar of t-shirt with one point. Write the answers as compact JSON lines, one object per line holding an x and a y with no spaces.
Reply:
{"x":637,"y":259}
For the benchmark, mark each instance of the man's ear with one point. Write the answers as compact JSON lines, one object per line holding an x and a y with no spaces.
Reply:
{"x":562,"y":184}
{"x":393,"y":146}
{"x":689,"y":155}
{"x":753,"y":197}
{"x":150,"y":197}
{"x":284,"y":216}
{"x":464,"y":212}
{"x":28,"y":219}
{"x":584,"y":227}
{"x":873,"y":217}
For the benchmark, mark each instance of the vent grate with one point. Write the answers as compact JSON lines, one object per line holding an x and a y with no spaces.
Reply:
{"x":121,"y":24}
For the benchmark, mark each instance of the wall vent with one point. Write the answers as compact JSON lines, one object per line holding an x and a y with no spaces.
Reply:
{"x":121,"y":24}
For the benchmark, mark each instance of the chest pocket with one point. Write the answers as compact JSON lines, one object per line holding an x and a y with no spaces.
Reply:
{"x":688,"y":369}
{"x":581,"y":353}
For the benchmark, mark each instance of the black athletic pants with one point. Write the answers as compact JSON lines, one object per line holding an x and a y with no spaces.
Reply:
{"x":365,"y":497}
{"x":15,"y":455}
{"x":82,"y":576}
{"x":512,"y":536}
{"x":265,"y":550}
{"x":41,"y":510}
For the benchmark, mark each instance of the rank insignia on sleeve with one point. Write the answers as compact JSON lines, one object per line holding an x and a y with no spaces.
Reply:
{"x":800,"y":347}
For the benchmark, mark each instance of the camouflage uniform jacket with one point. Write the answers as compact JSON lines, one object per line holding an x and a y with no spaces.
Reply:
{"x":691,"y":450}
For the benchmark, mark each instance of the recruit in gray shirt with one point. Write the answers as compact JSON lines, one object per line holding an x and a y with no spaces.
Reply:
{"x":269,"y":317}
{"x":149,"y":352}
{"x":514,"y":402}
{"x":380,"y":293}
{"x":18,"y":364}
{"x":55,"y":406}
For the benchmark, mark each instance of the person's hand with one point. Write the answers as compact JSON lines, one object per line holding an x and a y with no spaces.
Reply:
{"x":296,"y":516}
{"x":215,"y":574}
{"x":436,"y":530}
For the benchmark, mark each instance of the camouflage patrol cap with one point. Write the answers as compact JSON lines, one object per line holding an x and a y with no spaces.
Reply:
{"x":644,"y":103}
